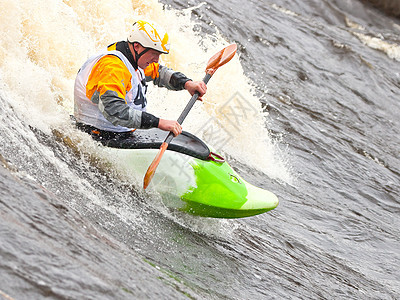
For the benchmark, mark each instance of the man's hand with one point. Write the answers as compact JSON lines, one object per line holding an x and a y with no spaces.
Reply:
{"x":193,"y":86}
{"x":169,"y":125}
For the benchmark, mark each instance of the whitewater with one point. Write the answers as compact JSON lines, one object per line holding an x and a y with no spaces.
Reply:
{"x":307,"y":109}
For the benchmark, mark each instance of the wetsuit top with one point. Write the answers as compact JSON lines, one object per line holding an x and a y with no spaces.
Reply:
{"x":110,"y":90}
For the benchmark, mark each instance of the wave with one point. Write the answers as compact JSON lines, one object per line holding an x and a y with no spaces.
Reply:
{"x":43,"y":49}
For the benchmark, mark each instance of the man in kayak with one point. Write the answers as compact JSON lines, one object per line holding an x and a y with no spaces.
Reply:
{"x":110,"y":88}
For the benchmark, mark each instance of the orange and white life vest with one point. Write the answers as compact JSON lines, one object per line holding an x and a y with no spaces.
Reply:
{"x":86,"y":110}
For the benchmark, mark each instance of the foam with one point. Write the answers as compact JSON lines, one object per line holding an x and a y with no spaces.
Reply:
{"x":47,"y":41}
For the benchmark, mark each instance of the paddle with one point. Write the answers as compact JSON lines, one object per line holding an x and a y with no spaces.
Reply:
{"x":216,"y":61}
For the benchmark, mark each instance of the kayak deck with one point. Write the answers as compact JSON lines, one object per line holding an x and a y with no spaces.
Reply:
{"x":185,"y":143}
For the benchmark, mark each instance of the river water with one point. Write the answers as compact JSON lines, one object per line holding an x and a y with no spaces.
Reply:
{"x":309,"y":109}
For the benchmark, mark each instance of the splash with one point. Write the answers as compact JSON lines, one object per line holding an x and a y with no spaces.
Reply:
{"x":46,"y":42}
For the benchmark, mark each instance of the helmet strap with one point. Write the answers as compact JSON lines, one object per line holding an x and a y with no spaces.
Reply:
{"x":138,"y":55}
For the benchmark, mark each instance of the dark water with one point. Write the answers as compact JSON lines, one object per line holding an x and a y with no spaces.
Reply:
{"x":333,"y":105}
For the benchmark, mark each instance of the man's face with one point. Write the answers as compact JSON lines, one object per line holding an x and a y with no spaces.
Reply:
{"x":151,"y":56}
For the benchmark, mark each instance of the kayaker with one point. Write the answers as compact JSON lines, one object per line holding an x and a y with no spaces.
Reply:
{"x":110,"y":88}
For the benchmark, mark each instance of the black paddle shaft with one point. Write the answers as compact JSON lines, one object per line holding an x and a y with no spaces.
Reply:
{"x":188,"y":107}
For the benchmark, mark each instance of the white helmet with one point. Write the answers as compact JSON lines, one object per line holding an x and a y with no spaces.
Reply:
{"x":149,"y":35}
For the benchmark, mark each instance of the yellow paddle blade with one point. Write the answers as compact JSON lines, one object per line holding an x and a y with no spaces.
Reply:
{"x":152,"y":168}
{"x":220,"y":58}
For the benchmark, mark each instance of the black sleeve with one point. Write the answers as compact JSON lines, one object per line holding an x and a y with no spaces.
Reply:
{"x":149,"y":121}
{"x":178,"y":80}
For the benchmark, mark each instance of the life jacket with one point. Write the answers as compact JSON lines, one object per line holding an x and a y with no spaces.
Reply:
{"x":87,"y":112}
